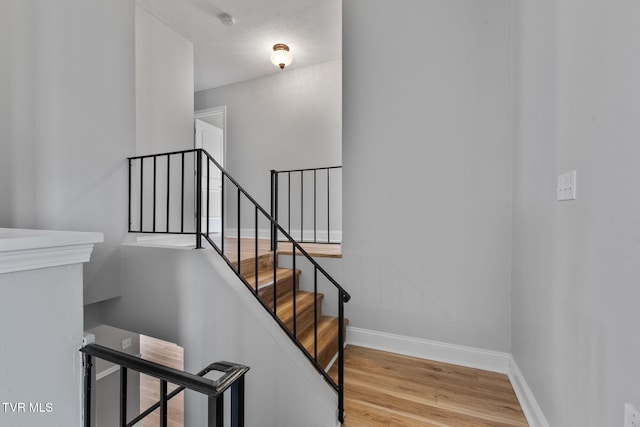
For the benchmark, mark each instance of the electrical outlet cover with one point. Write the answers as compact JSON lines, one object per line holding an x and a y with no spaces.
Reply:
{"x":126,"y":343}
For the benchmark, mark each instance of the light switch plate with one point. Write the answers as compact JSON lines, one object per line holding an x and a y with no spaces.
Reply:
{"x":566,"y":189}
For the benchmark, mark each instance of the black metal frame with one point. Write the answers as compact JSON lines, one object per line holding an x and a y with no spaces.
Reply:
{"x":277,"y":232}
{"x":275,"y":201}
{"x":233,"y":378}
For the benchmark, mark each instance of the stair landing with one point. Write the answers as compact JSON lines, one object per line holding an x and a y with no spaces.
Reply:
{"x":247,"y":248}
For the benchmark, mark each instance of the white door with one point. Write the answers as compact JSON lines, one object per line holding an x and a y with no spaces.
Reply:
{"x":211,"y":139}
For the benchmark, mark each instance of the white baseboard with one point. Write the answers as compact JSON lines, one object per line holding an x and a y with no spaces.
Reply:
{"x":528,"y":402}
{"x":433,"y":350}
{"x":458,"y":355}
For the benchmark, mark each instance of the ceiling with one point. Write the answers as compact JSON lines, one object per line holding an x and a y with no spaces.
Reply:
{"x":229,"y":54}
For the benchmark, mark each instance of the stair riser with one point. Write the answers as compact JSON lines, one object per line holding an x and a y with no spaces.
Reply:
{"x":327,"y":344}
{"x":283,"y":287}
{"x":248,"y":266}
{"x":304,"y":318}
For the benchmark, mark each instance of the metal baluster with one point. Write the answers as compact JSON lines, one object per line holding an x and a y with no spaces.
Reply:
{"x":88,"y":364}
{"x":238,"y":231}
{"x":222,"y":176}
{"x":182,"y":197}
{"x":123,"y":396}
{"x":293,"y":246}
{"x":163,"y":403}
{"x":129,"y":229}
{"x":315,"y":240}
{"x":216,"y":411}
{"x":289,"y":202}
{"x":272,"y":211}
{"x":301,"y":206}
{"x":237,"y":403}
{"x":168,"y":187}
{"x":315,"y":313}
{"x":340,"y":356}
{"x":141,"y":189}
{"x":275,"y":271}
{"x":199,"y":199}
{"x":328,"y":228}
{"x":154,"y":194}
{"x":275,"y":229}
{"x":255,"y":267}
{"x":208,"y":202}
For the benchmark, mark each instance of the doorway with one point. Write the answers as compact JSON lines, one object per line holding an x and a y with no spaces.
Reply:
{"x":209,"y":131}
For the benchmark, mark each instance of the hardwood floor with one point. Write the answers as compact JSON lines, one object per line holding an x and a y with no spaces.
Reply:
{"x":385,"y":389}
{"x":167,"y":354}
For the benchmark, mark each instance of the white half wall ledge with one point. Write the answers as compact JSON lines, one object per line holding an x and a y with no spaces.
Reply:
{"x":22,"y":249}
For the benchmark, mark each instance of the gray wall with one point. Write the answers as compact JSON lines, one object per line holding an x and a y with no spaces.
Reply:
{"x":164,"y":87}
{"x":5,"y":119}
{"x":217,"y":318}
{"x":576,"y":264}
{"x":291,"y":119}
{"x":40,"y":360}
{"x":427,"y":168}
{"x":71,"y":124}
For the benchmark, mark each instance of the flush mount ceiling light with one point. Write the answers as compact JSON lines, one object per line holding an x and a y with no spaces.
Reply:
{"x":226,"y":19}
{"x":281,"y":57}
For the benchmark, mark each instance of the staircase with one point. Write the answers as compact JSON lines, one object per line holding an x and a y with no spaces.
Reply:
{"x":288,"y":297}
{"x":170,"y":193}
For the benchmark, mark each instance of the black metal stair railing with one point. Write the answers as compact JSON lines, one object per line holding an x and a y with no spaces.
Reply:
{"x":319,"y":196}
{"x":233,"y":377}
{"x":175,"y":204}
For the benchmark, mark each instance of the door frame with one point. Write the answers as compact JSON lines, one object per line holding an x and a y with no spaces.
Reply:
{"x":206,"y":112}
{"x":214,"y":111}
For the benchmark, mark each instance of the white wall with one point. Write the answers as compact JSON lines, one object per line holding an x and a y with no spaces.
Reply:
{"x":194,"y":299}
{"x":164,"y":87}
{"x":72,"y":113}
{"x":288,"y":120}
{"x":427,"y":169}
{"x":576,"y":264}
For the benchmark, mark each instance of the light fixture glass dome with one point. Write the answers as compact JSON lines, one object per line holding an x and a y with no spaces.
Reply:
{"x":281,"y":57}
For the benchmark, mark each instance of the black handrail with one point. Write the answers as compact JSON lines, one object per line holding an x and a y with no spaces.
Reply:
{"x":275,"y":201}
{"x":233,"y":378}
{"x":203,"y":230}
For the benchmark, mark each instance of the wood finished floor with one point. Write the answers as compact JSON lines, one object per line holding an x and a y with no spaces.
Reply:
{"x":382,"y":389}
{"x":385,"y":389}
{"x":167,"y":354}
